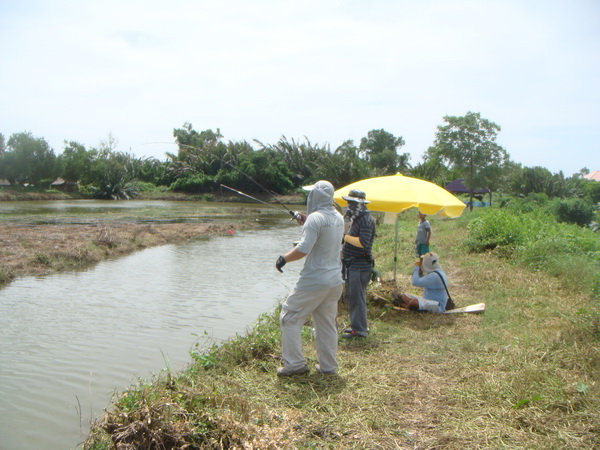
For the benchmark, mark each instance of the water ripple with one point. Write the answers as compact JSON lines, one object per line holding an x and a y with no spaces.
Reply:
{"x":68,"y":341}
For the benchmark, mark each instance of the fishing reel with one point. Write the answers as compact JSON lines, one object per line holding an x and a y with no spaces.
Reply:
{"x":298,"y":217}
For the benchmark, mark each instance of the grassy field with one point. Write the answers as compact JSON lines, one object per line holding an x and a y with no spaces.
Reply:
{"x":523,"y":375}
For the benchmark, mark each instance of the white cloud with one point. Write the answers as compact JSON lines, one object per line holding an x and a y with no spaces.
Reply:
{"x":328,"y":70}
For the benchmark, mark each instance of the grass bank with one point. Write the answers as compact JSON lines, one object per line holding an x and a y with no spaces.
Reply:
{"x":523,"y":375}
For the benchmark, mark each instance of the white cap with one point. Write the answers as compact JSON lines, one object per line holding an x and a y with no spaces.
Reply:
{"x":322,"y":185}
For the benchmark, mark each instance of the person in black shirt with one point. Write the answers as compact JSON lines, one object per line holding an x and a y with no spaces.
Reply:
{"x":357,"y":261}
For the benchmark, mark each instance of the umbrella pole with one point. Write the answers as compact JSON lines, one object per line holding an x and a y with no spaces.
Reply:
{"x":396,"y":250}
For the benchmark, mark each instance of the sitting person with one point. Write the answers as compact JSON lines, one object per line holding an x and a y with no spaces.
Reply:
{"x":427,"y":274}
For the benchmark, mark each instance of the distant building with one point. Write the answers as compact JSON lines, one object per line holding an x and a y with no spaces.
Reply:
{"x":457,"y":187}
{"x":4,"y":182}
{"x":594,"y":176}
{"x":65,"y":186}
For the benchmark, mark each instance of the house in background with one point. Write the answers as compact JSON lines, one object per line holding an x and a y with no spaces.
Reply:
{"x":594,"y":176}
{"x":65,"y":186}
{"x":457,"y":187}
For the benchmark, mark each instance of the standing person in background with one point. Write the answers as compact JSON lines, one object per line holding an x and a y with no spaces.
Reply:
{"x":319,"y":287}
{"x":423,"y":235}
{"x":358,"y":262}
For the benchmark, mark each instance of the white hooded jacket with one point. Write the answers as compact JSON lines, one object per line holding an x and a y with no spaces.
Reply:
{"x":322,"y":235}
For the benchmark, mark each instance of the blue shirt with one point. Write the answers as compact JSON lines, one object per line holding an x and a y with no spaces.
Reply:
{"x":434,"y":288}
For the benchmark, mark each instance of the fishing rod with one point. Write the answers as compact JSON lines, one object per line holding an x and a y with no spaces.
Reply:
{"x":295,"y":215}
{"x":254,"y":198}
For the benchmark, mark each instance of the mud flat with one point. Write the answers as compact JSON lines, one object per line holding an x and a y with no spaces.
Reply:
{"x":42,"y":249}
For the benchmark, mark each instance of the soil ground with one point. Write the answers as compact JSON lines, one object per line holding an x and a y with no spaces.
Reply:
{"x":43,"y":249}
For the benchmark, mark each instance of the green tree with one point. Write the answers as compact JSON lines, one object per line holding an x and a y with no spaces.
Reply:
{"x":110,"y":172}
{"x":344,"y":166}
{"x":579,"y":186}
{"x":152,"y":170}
{"x":28,"y":160}
{"x":591,"y":190}
{"x":111,"y":175}
{"x":2,"y":144}
{"x":302,"y":158}
{"x":468,"y":144}
{"x":433,"y":169}
{"x":246,"y":168}
{"x":204,"y":161}
{"x":76,"y":162}
{"x":8,"y":169}
{"x":380,"y":149}
{"x":574,"y":210}
{"x":199,"y":152}
{"x":527,"y":180}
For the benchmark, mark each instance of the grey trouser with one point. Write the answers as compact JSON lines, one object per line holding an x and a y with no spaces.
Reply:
{"x":294,"y":313}
{"x":356,"y":286}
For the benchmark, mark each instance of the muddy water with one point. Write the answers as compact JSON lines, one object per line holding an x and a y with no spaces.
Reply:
{"x":68,"y":341}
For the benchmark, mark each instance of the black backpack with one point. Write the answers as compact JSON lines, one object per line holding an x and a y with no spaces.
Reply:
{"x":450,"y":303}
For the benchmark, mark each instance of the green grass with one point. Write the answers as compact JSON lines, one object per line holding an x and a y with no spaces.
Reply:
{"x":526,"y":374}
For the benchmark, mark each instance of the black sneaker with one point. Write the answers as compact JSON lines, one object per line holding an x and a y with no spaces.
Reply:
{"x":348,"y":330}
{"x":353,"y":334}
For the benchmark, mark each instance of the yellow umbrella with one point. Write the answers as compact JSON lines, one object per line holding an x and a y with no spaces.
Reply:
{"x":397,"y":193}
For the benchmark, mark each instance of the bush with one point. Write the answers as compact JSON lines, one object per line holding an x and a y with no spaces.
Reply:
{"x":257,"y":344}
{"x":193,"y":184}
{"x":574,"y":210}
{"x":564,"y":250}
{"x":497,"y":229}
{"x":596,"y":286}
{"x":528,"y":204}
{"x":591,"y":190}
{"x":118,"y":191}
{"x":143,"y":186}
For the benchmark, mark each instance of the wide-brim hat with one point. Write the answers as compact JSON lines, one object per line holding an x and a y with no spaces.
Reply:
{"x":356,"y":195}
{"x":430,"y":262}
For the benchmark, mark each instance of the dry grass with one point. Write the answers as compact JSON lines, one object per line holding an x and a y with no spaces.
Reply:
{"x":523,"y":375}
{"x":43,"y":249}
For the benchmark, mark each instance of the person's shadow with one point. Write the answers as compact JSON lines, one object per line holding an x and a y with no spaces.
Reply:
{"x":305,"y":387}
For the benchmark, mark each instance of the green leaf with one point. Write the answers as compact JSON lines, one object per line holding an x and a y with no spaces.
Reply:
{"x":526,"y":401}
{"x":582,"y":388}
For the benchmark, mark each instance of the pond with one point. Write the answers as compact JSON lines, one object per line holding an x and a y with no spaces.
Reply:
{"x":70,"y":340}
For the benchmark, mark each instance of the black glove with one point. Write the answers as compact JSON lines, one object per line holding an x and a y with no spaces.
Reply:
{"x":280,"y":263}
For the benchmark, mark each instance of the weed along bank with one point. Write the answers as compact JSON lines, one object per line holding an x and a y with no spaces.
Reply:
{"x":523,"y":375}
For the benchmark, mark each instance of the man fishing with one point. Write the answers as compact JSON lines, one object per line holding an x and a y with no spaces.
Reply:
{"x":319,"y":286}
{"x":358,"y":261}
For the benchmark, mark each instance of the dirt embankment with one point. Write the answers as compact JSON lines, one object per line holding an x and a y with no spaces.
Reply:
{"x":44,"y":249}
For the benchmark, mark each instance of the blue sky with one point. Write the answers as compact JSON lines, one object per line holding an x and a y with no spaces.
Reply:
{"x":325,"y":70}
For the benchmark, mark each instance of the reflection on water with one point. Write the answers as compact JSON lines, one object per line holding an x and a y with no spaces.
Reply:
{"x":69,"y":340}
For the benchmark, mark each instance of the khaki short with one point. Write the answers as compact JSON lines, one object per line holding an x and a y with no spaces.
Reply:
{"x":427,"y":305}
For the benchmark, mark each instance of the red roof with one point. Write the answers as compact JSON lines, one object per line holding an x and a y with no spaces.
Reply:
{"x":595,"y":175}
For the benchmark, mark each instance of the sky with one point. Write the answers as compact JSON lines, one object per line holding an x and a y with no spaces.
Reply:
{"x":323,"y":70}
